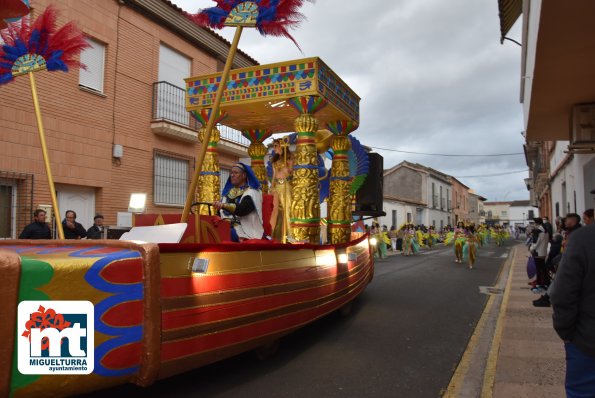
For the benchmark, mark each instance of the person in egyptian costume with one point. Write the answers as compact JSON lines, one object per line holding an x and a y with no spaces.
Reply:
{"x":242,"y":203}
{"x":282,"y":162}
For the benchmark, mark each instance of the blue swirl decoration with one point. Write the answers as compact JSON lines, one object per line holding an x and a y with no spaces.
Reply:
{"x":121,"y":293}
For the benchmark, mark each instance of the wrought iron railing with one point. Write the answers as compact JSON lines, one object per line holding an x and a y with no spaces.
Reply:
{"x":169,"y":104}
{"x":233,"y":135}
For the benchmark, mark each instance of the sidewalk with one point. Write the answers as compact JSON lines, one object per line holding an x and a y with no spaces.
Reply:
{"x":530,"y":359}
{"x":514,"y":351}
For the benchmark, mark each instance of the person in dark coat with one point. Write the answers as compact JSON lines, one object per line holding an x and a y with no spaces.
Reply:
{"x":573,"y":300}
{"x":72,"y":229}
{"x":38,"y":229}
{"x":96,"y":231}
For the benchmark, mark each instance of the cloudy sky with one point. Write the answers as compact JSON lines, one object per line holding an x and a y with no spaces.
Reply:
{"x":432,"y":77}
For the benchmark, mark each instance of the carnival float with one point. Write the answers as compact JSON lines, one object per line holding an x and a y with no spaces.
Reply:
{"x":161,"y":309}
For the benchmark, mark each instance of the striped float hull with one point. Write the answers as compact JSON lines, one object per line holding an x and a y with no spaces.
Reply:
{"x":231,"y":309}
{"x":163,"y":310}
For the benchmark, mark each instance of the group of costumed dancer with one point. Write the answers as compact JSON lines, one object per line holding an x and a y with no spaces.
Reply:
{"x":416,"y":238}
{"x":465,"y":238}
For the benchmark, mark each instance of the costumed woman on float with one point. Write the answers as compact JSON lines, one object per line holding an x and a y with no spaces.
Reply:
{"x":242,"y":204}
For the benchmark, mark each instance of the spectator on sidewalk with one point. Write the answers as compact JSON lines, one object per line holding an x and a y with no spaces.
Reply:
{"x":73,"y":229}
{"x":38,"y":229}
{"x":538,"y":250}
{"x":96,"y":231}
{"x":548,"y":227}
{"x":588,"y":217}
{"x":573,"y":299}
{"x":572,"y":222}
{"x":551,"y":265}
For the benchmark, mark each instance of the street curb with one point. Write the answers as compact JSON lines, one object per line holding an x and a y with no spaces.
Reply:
{"x":461,"y":372}
{"x":492,"y":361}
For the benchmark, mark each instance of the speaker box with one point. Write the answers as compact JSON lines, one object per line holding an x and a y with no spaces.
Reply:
{"x":368,"y":199}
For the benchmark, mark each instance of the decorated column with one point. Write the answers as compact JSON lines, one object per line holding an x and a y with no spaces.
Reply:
{"x":208,"y":186}
{"x":305,"y":198}
{"x":339,"y":203}
{"x":257,"y":151}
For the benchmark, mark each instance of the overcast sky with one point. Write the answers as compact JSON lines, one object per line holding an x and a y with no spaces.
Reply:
{"x":432,"y":77}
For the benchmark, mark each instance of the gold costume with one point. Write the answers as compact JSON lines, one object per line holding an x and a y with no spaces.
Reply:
{"x":281,"y":188}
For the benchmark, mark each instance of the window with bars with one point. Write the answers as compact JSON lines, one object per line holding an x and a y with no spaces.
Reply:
{"x":94,"y":60}
{"x":170,"y":179}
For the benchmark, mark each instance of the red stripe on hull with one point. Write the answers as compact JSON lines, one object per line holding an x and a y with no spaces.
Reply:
{"x":177,"y":349}
{"x":194,"y":316}
{"x":191,"y":285}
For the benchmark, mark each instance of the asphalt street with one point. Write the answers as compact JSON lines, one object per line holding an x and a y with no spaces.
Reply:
{"x":404,"y":338}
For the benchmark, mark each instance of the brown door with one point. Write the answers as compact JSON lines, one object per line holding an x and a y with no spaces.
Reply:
{"x":6,"y":218}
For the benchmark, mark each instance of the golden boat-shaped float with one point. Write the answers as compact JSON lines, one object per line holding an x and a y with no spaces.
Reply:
{"x":164,"y":308}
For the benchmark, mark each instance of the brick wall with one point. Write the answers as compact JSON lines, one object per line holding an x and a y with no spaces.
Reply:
{"x":81,"y":126}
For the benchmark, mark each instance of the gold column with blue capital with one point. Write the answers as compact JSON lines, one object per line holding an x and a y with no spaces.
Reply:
{"x":305,"y":198}
{"x":209,"y":181}
{"x":257,"y":151}
{"x":340,"y":198}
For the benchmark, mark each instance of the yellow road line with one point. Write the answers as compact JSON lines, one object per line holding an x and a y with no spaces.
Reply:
{"x":490,"y":371}
{"x":458,"y":377}
{"x":456,"y":382}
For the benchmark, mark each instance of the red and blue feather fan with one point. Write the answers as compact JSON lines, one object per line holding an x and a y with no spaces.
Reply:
{"x":12,"y":11}
{"x":270,"y":17}
{"x":40,"y":45}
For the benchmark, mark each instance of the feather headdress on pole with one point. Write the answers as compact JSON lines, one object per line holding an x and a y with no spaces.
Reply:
{"x":40,"y":45}
{"x":12,"y":10}
{"x":29,"y":48}
{"x":270,"y":17}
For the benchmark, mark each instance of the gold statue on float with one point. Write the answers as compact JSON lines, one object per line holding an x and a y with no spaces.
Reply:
{"x":282,"y":162}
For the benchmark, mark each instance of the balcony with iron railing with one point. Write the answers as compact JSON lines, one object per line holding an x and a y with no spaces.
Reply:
{"x":171,"y":119}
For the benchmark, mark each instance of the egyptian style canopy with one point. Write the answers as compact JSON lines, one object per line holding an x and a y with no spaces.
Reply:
{"x":259,"y":96}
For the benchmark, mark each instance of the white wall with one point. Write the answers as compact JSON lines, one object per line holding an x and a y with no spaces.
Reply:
{"x":558,"y":154}
{"x":500,"y":210}
{"x":569,"y":182}
{"x":402,"y":210}
{"x":519,"y":214}
{"x":532,"y":30}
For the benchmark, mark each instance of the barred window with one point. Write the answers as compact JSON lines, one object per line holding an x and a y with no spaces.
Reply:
{"x":171,"y":180}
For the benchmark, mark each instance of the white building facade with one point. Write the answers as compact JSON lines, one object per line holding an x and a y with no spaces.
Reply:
{"x":439,"y":191}
{"x":400,"y":211}
{"x":521,"y":213}
{"x":572,"y":179}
